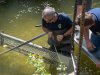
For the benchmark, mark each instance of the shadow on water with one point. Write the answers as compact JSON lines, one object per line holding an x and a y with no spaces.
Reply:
{"x":18,"y":18}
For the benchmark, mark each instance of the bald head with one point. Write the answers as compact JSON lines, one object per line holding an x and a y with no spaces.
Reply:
{"x":48,"y":11}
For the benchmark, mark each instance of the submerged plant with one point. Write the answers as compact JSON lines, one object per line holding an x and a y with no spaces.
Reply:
{"x":38,"y":63}
{"x":61,"y":67}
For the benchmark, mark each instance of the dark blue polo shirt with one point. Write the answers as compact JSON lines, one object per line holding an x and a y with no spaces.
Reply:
{"x":63,"y":22}
{"x":96,"y":29}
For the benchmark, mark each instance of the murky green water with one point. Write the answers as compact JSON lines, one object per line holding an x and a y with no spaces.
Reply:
{"x":14,"y":63}
{"x":18,"y":18}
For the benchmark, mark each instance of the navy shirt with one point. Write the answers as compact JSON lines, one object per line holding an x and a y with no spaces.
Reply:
{"x":96,"y":29}
{"x":63,"y":22}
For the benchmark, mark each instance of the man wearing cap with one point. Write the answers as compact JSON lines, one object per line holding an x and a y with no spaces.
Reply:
{"x":58,"y":26}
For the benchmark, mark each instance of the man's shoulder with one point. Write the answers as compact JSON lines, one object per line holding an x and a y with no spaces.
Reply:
{"x":94,"y":10}
{"x":63,"y":16}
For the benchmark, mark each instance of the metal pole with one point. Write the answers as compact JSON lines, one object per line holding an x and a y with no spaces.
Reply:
{"x":74,"y":17}
{"x":1,"y":39}
{"x":81,"y":35}
{"x":72,"y":38}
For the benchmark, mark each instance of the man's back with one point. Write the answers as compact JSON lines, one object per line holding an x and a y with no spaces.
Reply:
{"x":96,"y":13}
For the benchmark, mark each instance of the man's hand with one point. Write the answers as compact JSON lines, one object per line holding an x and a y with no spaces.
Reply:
{"x":90,"y":45}
{"x":60,"y":37}
{"x":49,"y":34}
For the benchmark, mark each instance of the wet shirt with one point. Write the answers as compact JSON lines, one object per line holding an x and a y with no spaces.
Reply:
{"x":96,"y":13}
{"x":63,"y":22}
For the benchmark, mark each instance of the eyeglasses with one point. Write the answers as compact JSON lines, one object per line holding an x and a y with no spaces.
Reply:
{"x":50,"y":19}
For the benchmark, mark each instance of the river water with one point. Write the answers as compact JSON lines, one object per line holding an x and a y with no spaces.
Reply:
{"x":19,"y":18}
